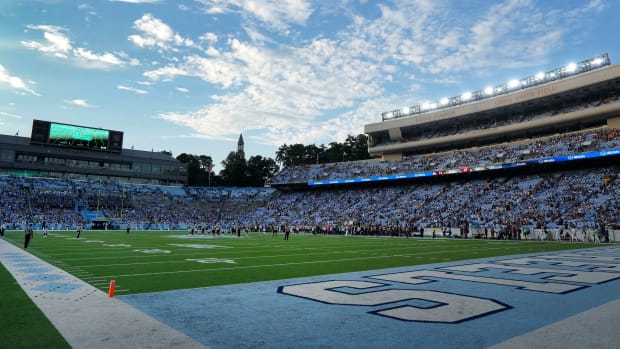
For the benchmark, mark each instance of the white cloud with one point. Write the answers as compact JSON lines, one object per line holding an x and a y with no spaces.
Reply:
{"x":80,"y":103}
{"x":596,"y":5}
{"x":285,"y":90}
{"x":137,"y":1}
{"x":15,"y":82}
{"x":58,"y":45}
{"x":277,"y":14}
{"x":104,"y":59}
{"x":166,"y":73}
{"x":182,"y":89}
{"x":11,"y":115}
{"x":320,"y":87}
{"x":131,"y":89}
{"x":213,"y":52}
{"x":156,"y":33}
{"x":256,"y":36}
{"x":208,"y":37}
{"x":335,"y":129}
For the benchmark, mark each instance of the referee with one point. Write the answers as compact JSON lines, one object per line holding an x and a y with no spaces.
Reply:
{"x":28,"y":236}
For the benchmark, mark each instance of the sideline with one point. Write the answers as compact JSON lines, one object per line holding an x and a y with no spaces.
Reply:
{"x":84,"y":315}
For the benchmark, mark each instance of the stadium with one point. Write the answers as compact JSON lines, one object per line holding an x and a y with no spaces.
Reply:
{"x":488,"y":219}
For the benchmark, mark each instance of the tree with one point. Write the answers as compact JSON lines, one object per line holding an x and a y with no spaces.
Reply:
{"x":313,"y":154}
{"x":282,"y":156}
{"x":335,"y":153}
{"x":260,"y":170}
{"x":233,"y":171}
{"x":198,"y":167}
{"x":354,"y":148}
{"x":358,"y":147}
{"x":296,"y":154}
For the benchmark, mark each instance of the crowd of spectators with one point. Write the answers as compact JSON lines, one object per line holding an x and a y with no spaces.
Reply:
{"x":562,"y":203}
{"x":574,"y":200}
{"x":565,"y":144}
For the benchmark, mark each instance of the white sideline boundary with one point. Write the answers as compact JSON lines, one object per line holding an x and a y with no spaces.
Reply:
{"x":84,"y":315}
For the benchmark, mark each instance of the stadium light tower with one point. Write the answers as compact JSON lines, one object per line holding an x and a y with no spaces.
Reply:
{"x":571,"y":68}
{"x":513,"y":84}
{"x":509,"y":87}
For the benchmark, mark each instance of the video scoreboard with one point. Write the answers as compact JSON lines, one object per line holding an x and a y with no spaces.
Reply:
{"x":73,"y":136}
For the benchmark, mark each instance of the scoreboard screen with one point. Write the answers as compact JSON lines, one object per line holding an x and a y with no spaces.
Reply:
{"x":64,"y":135}
{"x":78,"y":137}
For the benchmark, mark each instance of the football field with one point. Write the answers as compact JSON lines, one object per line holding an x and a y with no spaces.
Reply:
{"x":260,"y":291}
{"x":151,"y":261}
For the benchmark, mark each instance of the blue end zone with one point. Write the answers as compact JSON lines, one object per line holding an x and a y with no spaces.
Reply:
{"x":469,"y":304}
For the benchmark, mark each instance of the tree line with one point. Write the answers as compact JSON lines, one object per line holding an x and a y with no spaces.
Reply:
{"x":257,"y":170}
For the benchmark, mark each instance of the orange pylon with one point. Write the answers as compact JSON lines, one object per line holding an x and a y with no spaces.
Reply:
{"x":111,"y":290}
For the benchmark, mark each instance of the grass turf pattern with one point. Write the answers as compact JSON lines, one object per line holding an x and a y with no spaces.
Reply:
{"x":151,"y":261}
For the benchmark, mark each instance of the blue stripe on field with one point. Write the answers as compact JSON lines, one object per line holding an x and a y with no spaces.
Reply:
{"x":256,"y":315}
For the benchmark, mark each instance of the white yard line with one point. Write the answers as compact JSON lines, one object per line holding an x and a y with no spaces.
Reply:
{"x":264,"y":265}
{"x":415,"y":255}
{"x":222,"y":254}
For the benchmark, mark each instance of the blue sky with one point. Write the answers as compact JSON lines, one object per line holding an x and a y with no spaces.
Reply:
{"x":191,"y":75}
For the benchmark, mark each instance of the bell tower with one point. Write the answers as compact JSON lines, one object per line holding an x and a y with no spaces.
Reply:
{"x":240,"y":150}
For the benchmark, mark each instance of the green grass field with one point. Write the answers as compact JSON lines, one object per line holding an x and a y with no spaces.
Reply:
{"x":156,"y":261}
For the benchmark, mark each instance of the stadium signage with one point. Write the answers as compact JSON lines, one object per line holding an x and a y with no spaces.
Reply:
{"x":539,"y":92}
{"x":401,"y":299}
{"x":453,"y":308}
